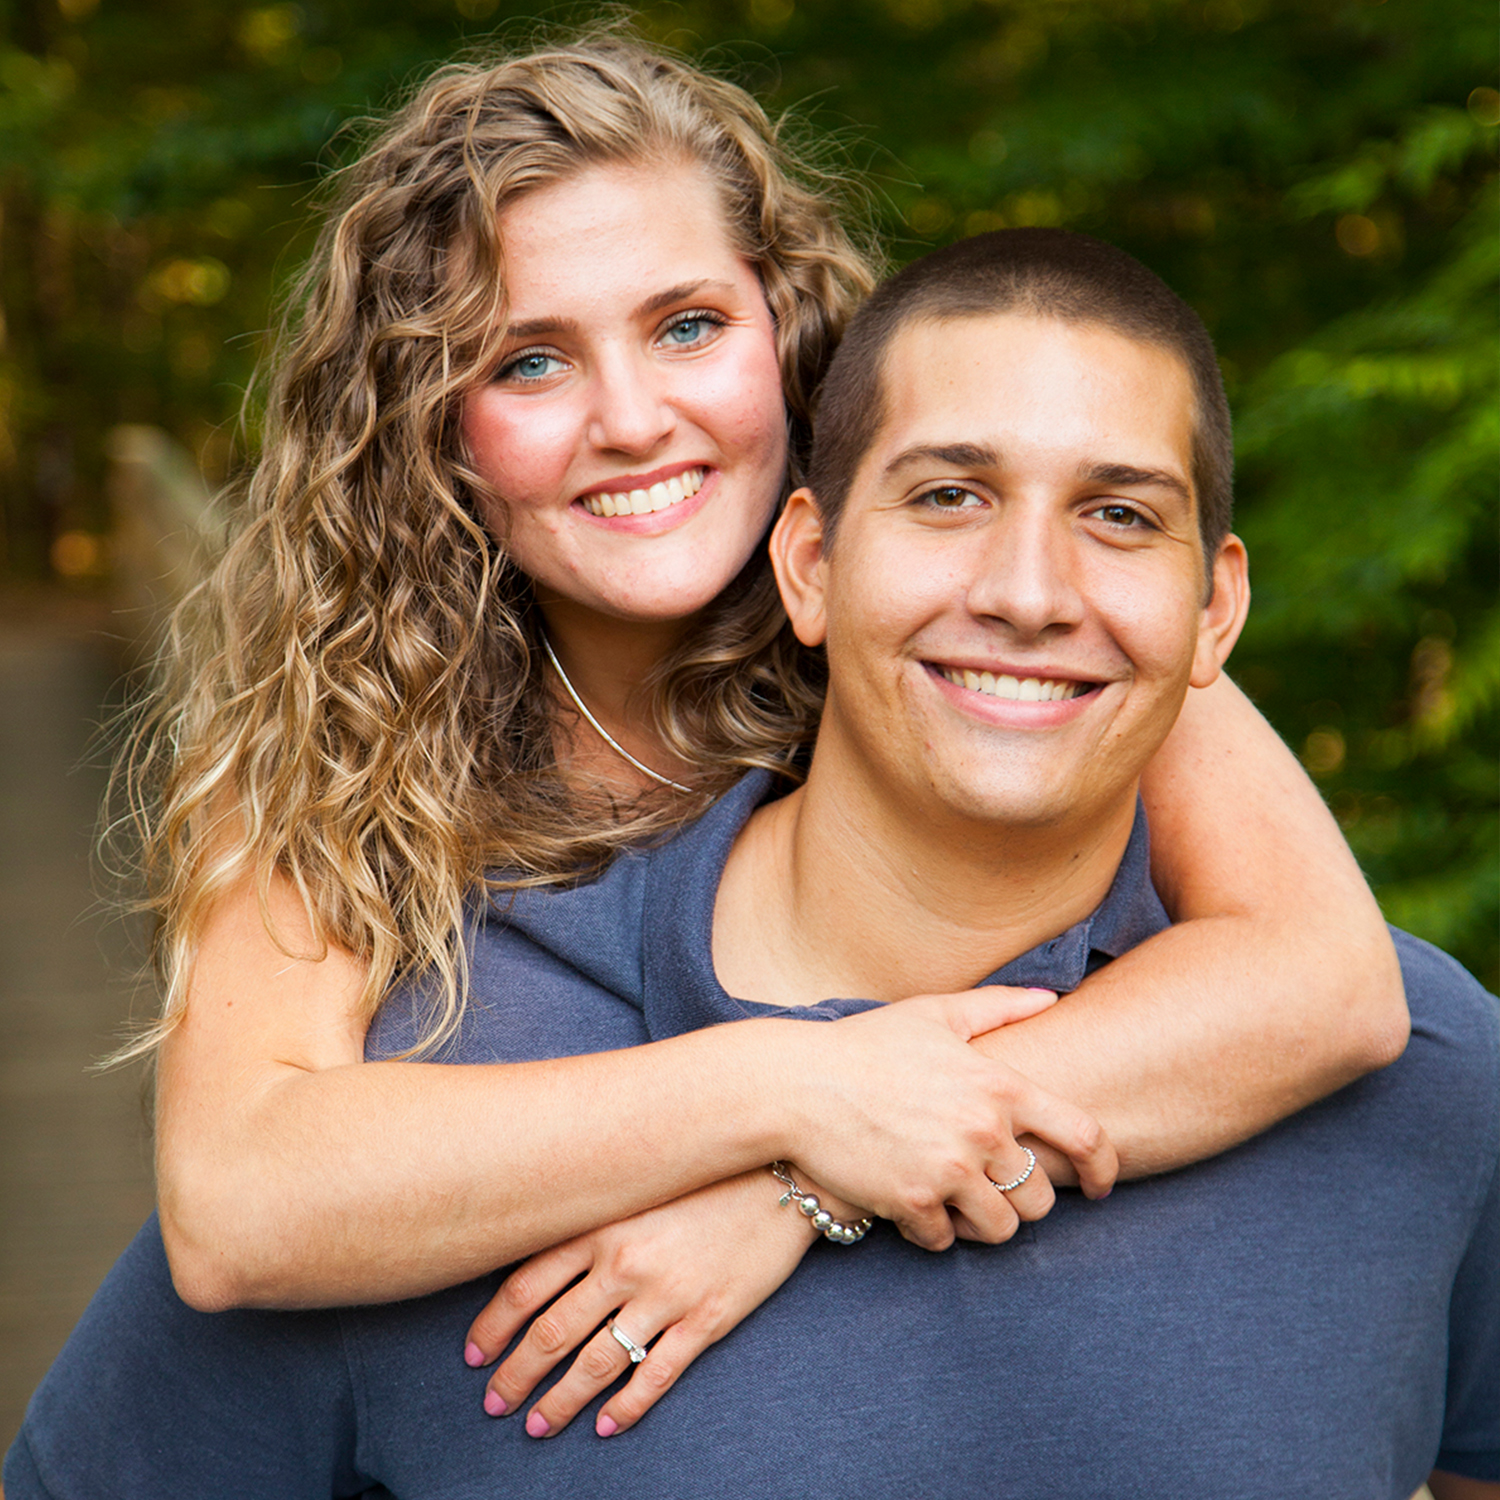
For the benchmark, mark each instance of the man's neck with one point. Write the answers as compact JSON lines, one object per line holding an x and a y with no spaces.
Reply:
{"x":833,"y":891}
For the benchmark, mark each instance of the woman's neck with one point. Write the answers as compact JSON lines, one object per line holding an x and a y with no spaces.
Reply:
{"x":606,"y":662}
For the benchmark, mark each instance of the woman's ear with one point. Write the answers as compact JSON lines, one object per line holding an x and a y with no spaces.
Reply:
{"x":797,"y":557}
{"x":1223,"y":617}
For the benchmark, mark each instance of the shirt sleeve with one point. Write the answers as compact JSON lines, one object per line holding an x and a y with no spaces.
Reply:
{"x":1471,"y":1427}
{"x":149,"y":1398}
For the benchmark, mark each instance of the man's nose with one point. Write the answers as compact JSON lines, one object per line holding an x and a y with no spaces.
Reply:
{"x":1026,"y":574}
{"x":632,"y":412}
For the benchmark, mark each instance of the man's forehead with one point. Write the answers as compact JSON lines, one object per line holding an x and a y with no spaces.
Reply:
{"x":963,"y":382}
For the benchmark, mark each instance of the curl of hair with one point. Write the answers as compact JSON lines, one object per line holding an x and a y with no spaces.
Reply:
{"x":353,"y":696}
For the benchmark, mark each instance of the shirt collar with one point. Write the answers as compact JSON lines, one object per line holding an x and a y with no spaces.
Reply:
{"x":682,"y":992}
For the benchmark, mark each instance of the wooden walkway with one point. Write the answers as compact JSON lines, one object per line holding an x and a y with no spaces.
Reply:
{"x":74,"y":1147}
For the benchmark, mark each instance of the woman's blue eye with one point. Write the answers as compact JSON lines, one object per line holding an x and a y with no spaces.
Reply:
{"x":696,"y":328}
{"x":529,"y":367}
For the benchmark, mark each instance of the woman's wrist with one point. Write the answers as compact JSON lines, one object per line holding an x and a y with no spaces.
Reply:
{"x":825,"y":1214}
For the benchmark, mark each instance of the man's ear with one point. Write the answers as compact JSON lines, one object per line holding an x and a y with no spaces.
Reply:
{"x":1223,"y":617}
{"x":797,"y":557}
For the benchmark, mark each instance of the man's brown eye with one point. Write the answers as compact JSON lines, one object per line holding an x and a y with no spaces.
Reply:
{"x":1119,"y":515}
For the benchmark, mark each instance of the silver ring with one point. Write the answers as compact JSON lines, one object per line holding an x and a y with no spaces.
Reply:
{"x":1010,"y":1187}
{"x":628,"y":1344}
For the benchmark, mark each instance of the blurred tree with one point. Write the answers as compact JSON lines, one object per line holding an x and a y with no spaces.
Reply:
{"x":1318,"y":180}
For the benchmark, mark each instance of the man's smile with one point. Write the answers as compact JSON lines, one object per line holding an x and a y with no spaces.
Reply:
{"x":1015,"y":688}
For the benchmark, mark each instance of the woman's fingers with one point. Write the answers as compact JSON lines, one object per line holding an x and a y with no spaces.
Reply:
{"x":528,"y":1288}
{"x":973,"y":1012}
{"x":603,"y":1360}
{"x":1031,"y":1199}
{"x":670,"y":1355}
{"x":1072,"y":1131}
{"x":599,"y":1364}
{"x":553,"y":1335}
{"x":992,"y":1216}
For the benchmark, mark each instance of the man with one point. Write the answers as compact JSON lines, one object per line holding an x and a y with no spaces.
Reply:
{"x":1015,"y":549}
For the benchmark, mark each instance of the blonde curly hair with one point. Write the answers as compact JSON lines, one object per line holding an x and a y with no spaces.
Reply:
{"x":354,"y":695}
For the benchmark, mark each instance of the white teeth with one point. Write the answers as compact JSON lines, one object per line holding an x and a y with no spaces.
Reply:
{"x":661,"y":496}
{"x":1018,"y":690}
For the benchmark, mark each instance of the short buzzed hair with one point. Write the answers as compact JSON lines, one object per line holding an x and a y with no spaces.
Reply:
{"x":1048,"y":273}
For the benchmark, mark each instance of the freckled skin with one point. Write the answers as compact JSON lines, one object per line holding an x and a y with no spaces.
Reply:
{"x":615,"y":388}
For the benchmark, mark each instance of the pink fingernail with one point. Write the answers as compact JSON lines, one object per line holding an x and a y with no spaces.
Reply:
{"x":606,"y":1426}
{"x":537,"y":1425}
{"x":494,"y":1405}
{"x":473,"y":1355}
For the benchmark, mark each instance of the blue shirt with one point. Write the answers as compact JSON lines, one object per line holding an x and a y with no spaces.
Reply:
{"x":1316,"y":1312}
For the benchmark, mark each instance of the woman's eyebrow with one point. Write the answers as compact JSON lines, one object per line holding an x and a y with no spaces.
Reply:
{"x":531,"y":328}
{"x":681,"y":293}
{"x":535,"y":328}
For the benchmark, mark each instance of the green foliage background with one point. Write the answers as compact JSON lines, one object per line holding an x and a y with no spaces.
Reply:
{"x":1319,"y":180}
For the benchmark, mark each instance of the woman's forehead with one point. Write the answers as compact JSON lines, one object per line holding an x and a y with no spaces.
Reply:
{"x":613,"y":233}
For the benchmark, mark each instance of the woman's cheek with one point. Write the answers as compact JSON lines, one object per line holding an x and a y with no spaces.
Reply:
{"x":525,"y":456}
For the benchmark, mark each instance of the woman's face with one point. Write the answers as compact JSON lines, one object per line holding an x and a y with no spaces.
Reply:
{"x":634,"y":429}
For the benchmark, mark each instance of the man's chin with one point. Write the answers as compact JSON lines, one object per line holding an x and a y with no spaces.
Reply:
{"x":996,"y":805}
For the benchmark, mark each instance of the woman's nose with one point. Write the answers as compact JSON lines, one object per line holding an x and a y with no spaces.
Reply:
{"x":632,"y":412}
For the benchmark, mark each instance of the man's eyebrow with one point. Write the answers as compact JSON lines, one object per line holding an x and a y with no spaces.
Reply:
{"x":532,"y":328}
{"x":1127,"y":476}
{"x":951,"y":455}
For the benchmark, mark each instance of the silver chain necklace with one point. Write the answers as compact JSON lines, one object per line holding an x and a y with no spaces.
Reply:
{"x":599,"y":729}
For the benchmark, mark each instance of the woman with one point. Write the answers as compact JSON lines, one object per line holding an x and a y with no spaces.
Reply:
{"x":498,"y":602}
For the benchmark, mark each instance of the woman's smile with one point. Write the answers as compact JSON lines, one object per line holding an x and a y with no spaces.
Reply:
{"x":646,"y":494}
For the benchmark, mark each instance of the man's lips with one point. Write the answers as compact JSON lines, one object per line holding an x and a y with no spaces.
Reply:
{"x":641,"y":499}
{"x":1015,"y":688}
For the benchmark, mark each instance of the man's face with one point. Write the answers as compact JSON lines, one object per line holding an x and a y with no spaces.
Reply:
{"x":1014,"y":605}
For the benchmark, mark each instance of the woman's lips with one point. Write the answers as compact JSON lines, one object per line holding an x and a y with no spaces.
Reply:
{"x":662,"y":495}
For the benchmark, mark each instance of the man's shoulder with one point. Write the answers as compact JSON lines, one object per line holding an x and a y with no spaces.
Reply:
{"x":1446,"y":1085}
{"x":1448,"y":1004}
{"x":603,"y":914}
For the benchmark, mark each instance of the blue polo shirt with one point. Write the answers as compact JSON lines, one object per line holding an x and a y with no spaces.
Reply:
{"x":1315,"y":1312}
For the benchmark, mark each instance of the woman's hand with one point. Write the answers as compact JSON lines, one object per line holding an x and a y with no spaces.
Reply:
{"x":894,"y":1116}
{"x":688,"y":1271}
{"x":693,"y":1269}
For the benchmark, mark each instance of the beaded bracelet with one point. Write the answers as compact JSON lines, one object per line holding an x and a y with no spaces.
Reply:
{"x":823,"y":1221}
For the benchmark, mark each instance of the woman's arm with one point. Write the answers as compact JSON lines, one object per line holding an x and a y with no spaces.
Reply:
{"x":690,"y":1271}
{"x":292,"y":1173}
{"x":1278,"y":985}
